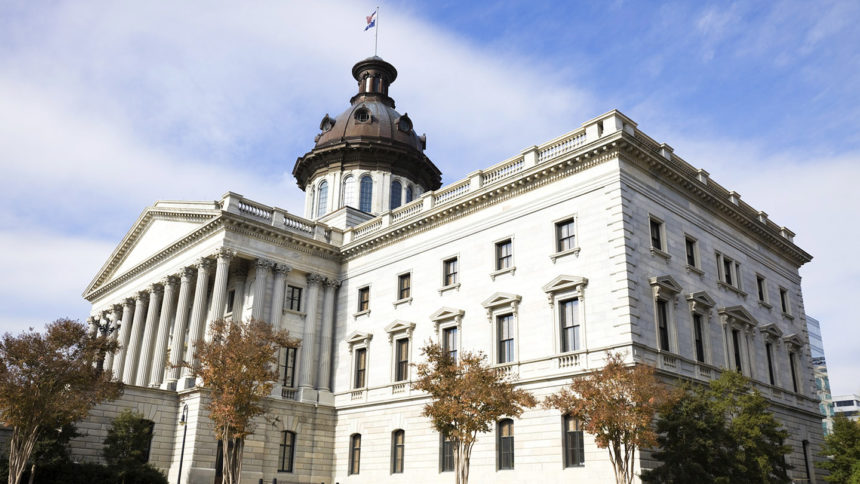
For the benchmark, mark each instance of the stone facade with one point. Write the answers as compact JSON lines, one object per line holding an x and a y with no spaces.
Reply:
{"x":603,"y":227}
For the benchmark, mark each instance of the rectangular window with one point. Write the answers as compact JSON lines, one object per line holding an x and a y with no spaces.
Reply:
{"x":729,"y":271}
{"x":569,"y":319}
{"x":783,"y":301}
{"x":574,"y":448}
{"x":504,"y":254}
{"x":700,"y":338}
{"x":736,"y":346}
{"x":505,"y":332}
{"x":404,"y":286}
{"x":446,"y":455}
{"x":360,"y":367}
{"x":288,"y":366}
{"x":363,"y":299}
{"x":231,"y":296}
{"x":294,"y":298}
{"x":564,"y":235}
{"x":397,"y":450}
{"x":657,"y":235}
{"x":768,"y":348}
{"x":792,"y":362}
{"x":401,"y":349}
{"x":354,"y":454}
{"x":761,"y":288}
{"x":449,"y":342}
{"x":287,"y":450}
{"x":506,"y":444}
{"x":663,"y":324}
{"x":692,"y":252}
{"x":449,"y":271}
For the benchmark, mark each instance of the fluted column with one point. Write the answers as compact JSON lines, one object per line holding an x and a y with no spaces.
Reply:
{"x":324,"y":360}
{"x":238,"y":276}
{"x":124,"y":336}
{"x":149,"y":332}
{"x":263,"y":268}
{"x":306,"y":369}
{"x":219,"y":293}
{"x":198,"y":317}
{"x":112,"y":334}
{"x":281,"y":272}
{"x":159,"y":356}
{"x":130,"y":371}
{"x":177,"y":346}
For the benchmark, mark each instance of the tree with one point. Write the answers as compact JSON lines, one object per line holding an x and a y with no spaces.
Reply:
{"x":126,"y":449}
{"x":467,"y":397}
{"x":720,"y":433}
{"x":238,"y":365}
{"x":47,"y":381}
{"x":617,"y":405}
{"x":842,"y":449}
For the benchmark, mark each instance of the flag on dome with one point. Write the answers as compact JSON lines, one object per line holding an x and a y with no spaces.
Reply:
{"x":371,"y":20}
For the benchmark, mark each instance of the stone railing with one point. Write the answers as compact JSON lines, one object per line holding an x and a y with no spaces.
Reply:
{"x":453,"y":192}
{"x":278,"y":218}
{"x":568,"y":361}
{"x":288,"y":393}
{"x":399,"y":388}
{"x":406,"y":211}
{"x":568,"y":142}
{"x":367,"y":228}
{"x":357,"y":395}
{"x":503,"y":171}
{"x":247,"y":207}
{"x":298,"y":223}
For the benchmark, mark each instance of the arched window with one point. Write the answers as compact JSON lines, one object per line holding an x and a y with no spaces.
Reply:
{"x":322,"y":198}
{"x":408,"y":194}
{"x":347,"y":198}
{"x":396,"y":187}
{"x":366,"y":194}
{"x":397,"y":448}
{"x":505,"y":444}
{"x":287,"y":451}
{"x":354,"y":454}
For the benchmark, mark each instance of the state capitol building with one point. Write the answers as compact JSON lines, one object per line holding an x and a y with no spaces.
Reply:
{"x":601,"y":240}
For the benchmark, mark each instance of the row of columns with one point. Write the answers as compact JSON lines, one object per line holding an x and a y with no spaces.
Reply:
{"x":141,"y":324}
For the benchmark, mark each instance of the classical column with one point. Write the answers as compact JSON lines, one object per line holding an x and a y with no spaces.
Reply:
{"x":148,"y":341}
{"x":124,"y":335}
{"x":281,"y":271}
{"x":238,"y":275}
{"x":324,"y":361}
{"x":92,"y":326}
{"x":219,"y":293}
{"x":159,"y":356}
{"x":177,"y":346}
{"x":306,"y":368}
{"x":198,"y":316}
{"x":113,"y":326}
{"x":263,"y":268}
{"x":133,"y":349}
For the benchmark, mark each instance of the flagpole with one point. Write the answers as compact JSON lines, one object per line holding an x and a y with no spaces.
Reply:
{"x":376,"y":34}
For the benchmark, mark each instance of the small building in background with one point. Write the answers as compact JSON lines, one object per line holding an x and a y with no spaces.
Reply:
{"x":819,"y":372}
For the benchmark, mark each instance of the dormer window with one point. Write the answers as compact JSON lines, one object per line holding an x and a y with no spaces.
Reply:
{"x":362,"y":115}
{"x":404,"y":123}
{"x":327,"y":123}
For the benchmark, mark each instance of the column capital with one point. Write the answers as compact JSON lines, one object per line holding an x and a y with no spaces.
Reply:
{"x":155,"y":289}
{"x":335,"y":283}
{"x":203,"y":264}
{"x":224,"y":253}
{"x":282,"y":269}
{"x":141,"y":296}
{"x":186,"y":273}
{"x":116,"y":308}
{"x":314,"y":279}
{"x":129,"y":301}
{"x":263,"y":264}
{"x":169,"y":281}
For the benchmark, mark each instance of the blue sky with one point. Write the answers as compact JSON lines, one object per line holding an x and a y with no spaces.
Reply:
{"x":105,"y":108}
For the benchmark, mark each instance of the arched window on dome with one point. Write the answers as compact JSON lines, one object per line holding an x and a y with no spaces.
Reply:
{"x":408,"y":194}
{"x":396,"y":188}
{"x":322,"y":198}
{"x":366,"y":194}
{"x":347,"y":198}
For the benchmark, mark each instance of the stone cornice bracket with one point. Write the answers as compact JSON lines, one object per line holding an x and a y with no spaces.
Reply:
{"x":282,"y":269}
{"x":225,"y":253}
{"x":314,"y":279}
{"x":335,"y":283}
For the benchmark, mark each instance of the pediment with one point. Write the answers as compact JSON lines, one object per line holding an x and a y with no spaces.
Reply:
{"x":501,"y":299}
{"x":565,"y":283}
{"x":700,"y":299}
{"x":157,"y":228}
{"x":446,"y":313}
{"x":400,"y":326}
{"x":357,"y":337}
{"x":794,"y":340}
{"x":665,"y":283}
{"x":738,"y":314}
{"x":772,"y":330}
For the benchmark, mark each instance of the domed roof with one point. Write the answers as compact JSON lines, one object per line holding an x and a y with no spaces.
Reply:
{"x":372,"y":127}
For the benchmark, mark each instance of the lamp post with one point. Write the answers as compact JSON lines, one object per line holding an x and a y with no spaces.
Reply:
{"x":182,"y":421}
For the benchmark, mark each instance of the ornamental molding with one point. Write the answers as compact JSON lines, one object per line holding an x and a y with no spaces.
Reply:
{"x":358,"y":337}
{"x":793,"y":340}
{"x":700,"y":302}
{"x":398,"y":327}
{"x":737,"y":315}
{"x":772,"y":331}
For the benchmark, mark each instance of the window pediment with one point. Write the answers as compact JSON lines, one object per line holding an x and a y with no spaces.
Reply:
{"x":399,"y":326}
{"x":665,"y":286}
{"x":771,"y":330}
{"x":737,"y":314}
{"x":502,"y":299}
{"x":358,"y":337}
{"x":700,"y":301}
{"x":793,"y":340}
{"x":446,"y":313}
{"x":565,"y":283}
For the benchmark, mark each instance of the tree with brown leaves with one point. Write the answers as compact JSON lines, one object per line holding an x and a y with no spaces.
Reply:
{"x":467,"y":397}
{"x":238,"y":365}
{"x":50,"y":380}
{"x":616,"y":404}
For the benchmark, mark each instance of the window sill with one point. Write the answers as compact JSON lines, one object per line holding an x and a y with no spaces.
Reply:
{"x":731,"y":288}
{"x":499,"y":272}
{"x":787,"y":316}
{"x":661,"y":253}
{"x":574,"y":251}
{"x":449,"y":287}
{"x":765,"y":304}
{"x":406,"y":300}
{"x":361,"y":313}
{"x":293,"y":311}
{"x":695,"y":269}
